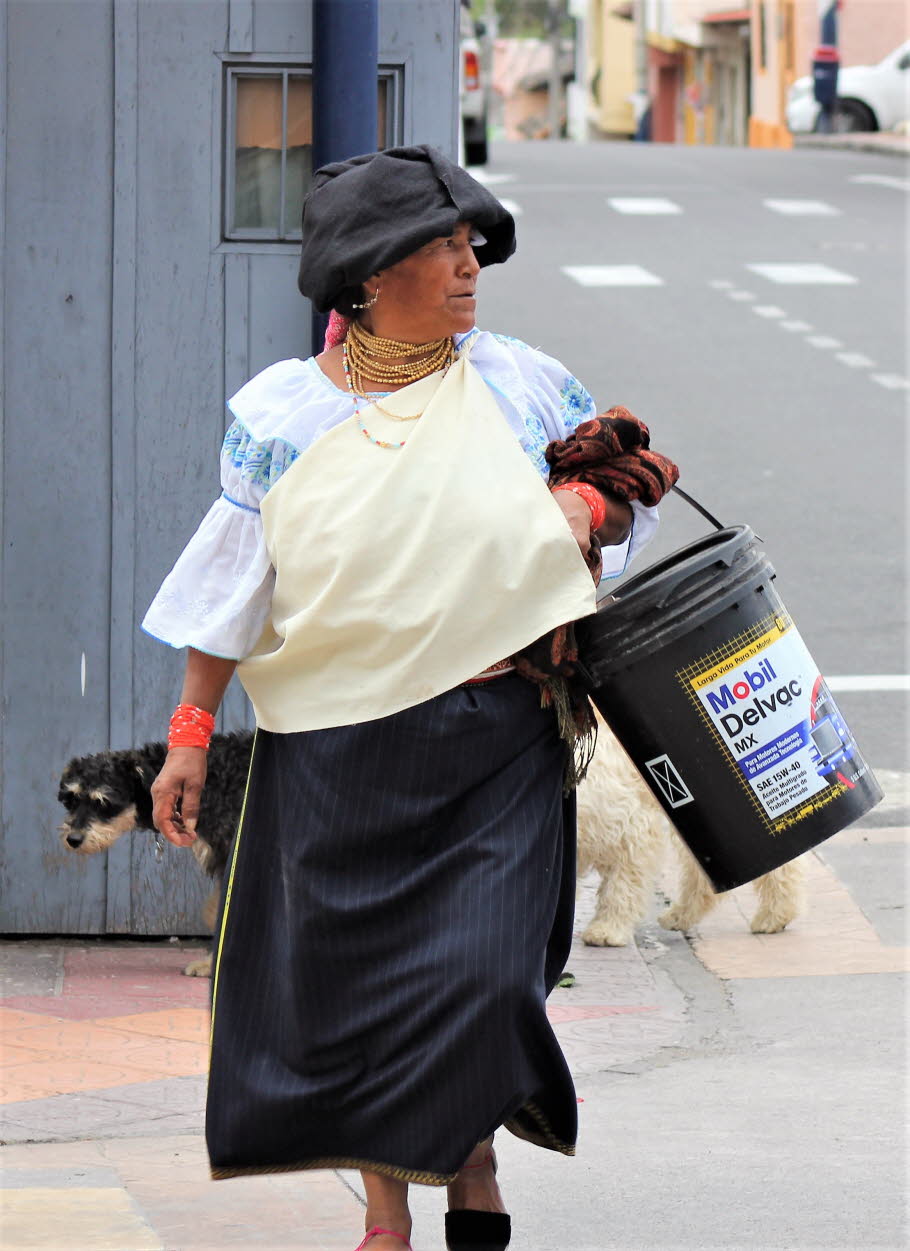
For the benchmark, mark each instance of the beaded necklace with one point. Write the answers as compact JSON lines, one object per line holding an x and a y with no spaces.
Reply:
{"x":367,"y":355}
{"x":394,"y":362}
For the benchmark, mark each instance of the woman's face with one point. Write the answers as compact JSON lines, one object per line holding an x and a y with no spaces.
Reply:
{"x":430,"y":294}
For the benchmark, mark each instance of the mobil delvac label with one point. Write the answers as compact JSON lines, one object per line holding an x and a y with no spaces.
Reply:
{"x":776,"y":719}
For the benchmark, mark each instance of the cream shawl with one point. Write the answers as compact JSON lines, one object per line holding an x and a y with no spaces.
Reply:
{"x":400,"y":574}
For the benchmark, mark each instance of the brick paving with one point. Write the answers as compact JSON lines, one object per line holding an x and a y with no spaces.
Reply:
{"x":103,"y":1085}
{"x":832,"y":937}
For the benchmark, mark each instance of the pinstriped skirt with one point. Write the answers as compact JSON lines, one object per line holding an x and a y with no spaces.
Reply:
{"x":399,"y":905}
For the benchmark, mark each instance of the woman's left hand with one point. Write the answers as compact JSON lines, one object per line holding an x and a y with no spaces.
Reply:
{"x":578,"y":515}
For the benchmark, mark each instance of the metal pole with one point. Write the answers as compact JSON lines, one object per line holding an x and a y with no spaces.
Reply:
{"x":345,"y":79}
{"x":345,"y":89}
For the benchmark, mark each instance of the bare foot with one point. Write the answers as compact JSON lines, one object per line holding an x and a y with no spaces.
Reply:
{"x":475,"y":1187}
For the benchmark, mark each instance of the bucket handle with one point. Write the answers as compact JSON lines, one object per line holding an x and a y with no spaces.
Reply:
{"x":698,"y":507}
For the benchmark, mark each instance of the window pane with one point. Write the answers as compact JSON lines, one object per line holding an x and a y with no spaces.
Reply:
{"x":300,"y":143}
{"x":257,"y":152}
{"x":382,"y":137}
{"x":300,"y":149}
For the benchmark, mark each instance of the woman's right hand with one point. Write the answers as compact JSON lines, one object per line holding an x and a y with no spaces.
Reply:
{"x":176,"y":793}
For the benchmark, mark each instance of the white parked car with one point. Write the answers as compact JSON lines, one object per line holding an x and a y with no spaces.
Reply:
{"x":869,"y":97}
{"x":473,"y":91}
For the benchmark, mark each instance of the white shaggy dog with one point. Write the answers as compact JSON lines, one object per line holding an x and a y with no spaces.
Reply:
{"x":623,"y":834}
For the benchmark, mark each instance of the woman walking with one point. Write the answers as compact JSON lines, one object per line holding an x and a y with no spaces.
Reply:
{"x":390,"y":575}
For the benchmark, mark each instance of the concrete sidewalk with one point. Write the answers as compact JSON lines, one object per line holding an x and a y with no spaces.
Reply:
{"x":105,"y":1048}
{"x":104,"y":1055}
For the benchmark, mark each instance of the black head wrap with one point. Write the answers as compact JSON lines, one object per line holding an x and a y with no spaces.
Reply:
{"x":372,"y":211}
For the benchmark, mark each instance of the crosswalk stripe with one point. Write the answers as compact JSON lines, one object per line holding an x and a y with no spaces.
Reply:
{"x":768,"y":310}
{"x":809,"y":274}
{"x":892,"y":382}
{"x":801,"y":326}
{"x":644,"y":205}
{"x":802,"y":208}
{"x":883,"y":180}
{"x":855,"y":360}
{"x":869,"y":682}
{"x":823,"y":341}
{"x":511,"y":206}
{"x":612,"y":276}
{"x":489,"y":180}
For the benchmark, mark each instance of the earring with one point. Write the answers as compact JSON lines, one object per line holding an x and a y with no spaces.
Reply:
{"x":370,"y":302}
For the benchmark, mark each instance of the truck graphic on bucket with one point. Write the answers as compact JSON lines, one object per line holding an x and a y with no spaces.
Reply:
{"x":834,"y":750}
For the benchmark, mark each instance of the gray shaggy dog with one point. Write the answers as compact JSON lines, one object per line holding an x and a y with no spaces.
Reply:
{"x":108,"y":794}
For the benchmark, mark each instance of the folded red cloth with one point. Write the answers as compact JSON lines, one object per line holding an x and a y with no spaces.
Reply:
{"x":613,"y":453}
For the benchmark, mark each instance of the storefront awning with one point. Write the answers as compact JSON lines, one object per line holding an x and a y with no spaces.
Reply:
{"x":727,"y":15}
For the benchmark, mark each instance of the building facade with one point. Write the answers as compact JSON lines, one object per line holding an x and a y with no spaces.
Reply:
{"x":153,"y":161}
{"x":718,"y":73}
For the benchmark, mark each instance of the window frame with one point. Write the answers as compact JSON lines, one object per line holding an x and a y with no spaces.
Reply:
{"x":389,"y":72}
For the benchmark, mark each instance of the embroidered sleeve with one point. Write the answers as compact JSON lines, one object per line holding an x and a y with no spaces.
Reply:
{"x":542,"y":401}
{"x":567,"y":401}
{"x":218,"y":596}
{"x":257,"y":466}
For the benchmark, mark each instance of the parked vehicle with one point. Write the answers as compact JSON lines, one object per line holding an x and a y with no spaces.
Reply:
{"x":473,"y":91}
{"x":870,"y":97}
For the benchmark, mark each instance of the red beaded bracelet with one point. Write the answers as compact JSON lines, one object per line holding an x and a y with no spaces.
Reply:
{"x":591,"y":496}
{"x":190,"y":727}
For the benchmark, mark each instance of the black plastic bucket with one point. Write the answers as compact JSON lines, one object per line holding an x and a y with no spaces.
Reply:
{"x":705,"y":681}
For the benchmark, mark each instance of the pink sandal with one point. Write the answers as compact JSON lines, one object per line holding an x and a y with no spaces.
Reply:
{"x":376,"y":1230}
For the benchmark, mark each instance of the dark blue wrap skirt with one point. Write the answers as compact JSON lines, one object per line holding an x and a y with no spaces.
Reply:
{"x":398,"y":906}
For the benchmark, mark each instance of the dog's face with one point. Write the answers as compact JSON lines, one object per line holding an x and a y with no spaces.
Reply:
{"x":102,"y":797}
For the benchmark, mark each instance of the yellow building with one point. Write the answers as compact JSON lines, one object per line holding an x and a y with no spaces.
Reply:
{"x":697,"y":65}
{"x":718,"y":73}
{"x":611,"y":68}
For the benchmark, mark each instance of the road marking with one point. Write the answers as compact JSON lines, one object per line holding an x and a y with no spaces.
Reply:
{"x":740,"y":295}
{"x":870,"y":682}
{"x":808,"y":274}
{"x":893,"y":382}
{"x":855,"y":360}
{"x":612,"y":276}
{"x":823,"y":341}
{"x":883,"y":180}
{"x":768,"y":310}
{"x":802,"y":208}
{"x":795,"y":325}
{"x":644,"y":205}
{"x":490,"y":180}
{"x":720,"y":284}
{"x":511,"y":206}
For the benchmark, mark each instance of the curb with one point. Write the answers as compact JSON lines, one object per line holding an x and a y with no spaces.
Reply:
{"x":873,"y":141}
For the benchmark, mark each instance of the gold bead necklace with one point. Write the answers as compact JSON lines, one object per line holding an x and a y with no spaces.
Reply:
{"x":364,"y":355}
{"x":380,"y":360}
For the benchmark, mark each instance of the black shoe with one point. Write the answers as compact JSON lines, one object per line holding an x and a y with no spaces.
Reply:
{"x":469,"y":1230}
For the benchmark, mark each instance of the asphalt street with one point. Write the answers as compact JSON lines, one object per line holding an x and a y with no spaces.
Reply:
{"x":737,"y":1091}
{"x":782,"y":394}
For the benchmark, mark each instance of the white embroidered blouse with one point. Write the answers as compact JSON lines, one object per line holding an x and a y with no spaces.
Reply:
{"x":217,"y":598}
